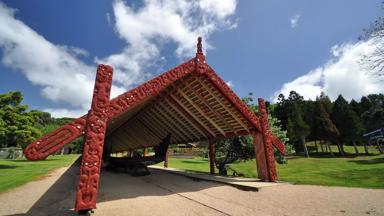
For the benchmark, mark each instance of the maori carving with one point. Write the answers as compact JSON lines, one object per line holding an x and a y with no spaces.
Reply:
{"x":268,"y":149}
{"x":52,"y":142}
{"x":94,"y":141}
{"x":220,"y":85}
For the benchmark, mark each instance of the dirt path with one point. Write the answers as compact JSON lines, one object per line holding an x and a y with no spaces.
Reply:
{"x":165,"y":194}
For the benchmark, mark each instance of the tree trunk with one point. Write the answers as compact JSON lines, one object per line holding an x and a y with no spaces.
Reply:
{"x":317,"y":150}
{"x":304,"y":146}
{"x":321,"y":146}
{"x":366,"y":148}
{"x":329,"y":147}
{"x":340,"y":149}
{"x":379,"y":147}
{"x":356,"y":150}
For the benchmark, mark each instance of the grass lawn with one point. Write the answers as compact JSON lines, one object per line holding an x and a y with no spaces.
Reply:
{"x":361,"y":171}
{"x":14,"y":173}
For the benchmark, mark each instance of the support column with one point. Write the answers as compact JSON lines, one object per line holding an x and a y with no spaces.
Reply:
{"x":166,"y":159}
{"x":261,"y":161}
{"x":268,"y":149}
{"x":211,"y":156}
{"x":96,"y":126}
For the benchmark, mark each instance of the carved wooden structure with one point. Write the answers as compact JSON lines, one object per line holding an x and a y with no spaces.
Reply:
{"x":190,"y":101}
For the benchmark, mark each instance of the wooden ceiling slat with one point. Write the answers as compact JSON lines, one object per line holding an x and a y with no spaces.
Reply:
{"x":182,"y":124}
{"x":202,"y":112}
{"x":198,"y":122}
{"x":176,"y":109}
{"x":166,"y":124}
{"x":172,"y":124}
{"x":154,"y":132}
{"x":160,"y":130}
{"x":128,"y":135}
{"x":140,"y":129}
{"x":223,"y":104}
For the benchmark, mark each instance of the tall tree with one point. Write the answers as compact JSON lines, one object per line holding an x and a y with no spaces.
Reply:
{"x":17,"y":124}
{"x":325,"y":128}
{"x":373,"y":62}
{"x":347,"y":121}
{"x":297,"y":128}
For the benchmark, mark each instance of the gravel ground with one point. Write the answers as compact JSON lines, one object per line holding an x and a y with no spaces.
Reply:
{"x":162,"y":193}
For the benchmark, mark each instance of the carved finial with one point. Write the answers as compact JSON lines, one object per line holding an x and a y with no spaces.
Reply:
{"x":199,"y":46}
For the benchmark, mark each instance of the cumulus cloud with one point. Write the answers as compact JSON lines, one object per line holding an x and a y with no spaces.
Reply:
{"x":147,"y":28}
{"x":61,"y":74}
{"x":342,"y":74}
{"x":295,"y":20}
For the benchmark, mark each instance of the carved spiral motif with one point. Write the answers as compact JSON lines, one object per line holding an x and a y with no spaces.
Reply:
{"x":94,"y":141}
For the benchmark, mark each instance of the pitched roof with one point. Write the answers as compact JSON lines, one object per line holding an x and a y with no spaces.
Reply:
{"x":189,"y":101}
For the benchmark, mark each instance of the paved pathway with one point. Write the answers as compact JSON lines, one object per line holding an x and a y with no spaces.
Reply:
{"x":163,"y":193}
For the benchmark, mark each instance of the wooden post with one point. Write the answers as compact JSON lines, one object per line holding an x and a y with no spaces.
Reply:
{"x":96,"y":127}
{"x":211,"y":156}
{"x":267,"y":144}
{"x":261,"y":161}
{"x":166,"y":159}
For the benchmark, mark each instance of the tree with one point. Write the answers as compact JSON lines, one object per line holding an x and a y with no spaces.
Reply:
{"x":347,"y":122}
{"x":241,"y":148}
{"x":325,"y":128}
{"x":17,"y":125}
{"x":373,"y":62}
{"x":297,"y":128}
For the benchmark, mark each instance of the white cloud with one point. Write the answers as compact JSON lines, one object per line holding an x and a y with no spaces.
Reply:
{"x":342,"y":74}
{"x":61,"y":74}
{"x":230,"y":83}
{"x":156,"y":22}
{"x":295,"y":20}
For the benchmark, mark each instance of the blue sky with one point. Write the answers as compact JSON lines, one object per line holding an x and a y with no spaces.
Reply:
{"x":50,"y":49}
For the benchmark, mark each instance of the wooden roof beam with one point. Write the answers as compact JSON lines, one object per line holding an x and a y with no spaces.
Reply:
{"x":223,"y":105}
{"x":179,"y":122}
{"x":201,"y":111}
{"x":158,"y":118}
{"x":198,"y":122}
{"x":190,"y":88}
{"x":196,"y":125}
{"x":171,"y":123}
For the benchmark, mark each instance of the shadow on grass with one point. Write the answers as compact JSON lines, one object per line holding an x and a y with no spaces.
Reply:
{"x":8,"y":166}
{"x":28,"y":161}
{"x":371,"y":161}
{"x":194,"y":162}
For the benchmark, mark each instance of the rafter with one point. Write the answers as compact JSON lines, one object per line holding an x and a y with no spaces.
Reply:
{"x":222,"y":104}
{"x":198,"y":122}
{"x":201,"y":111}
{"x":158,"y":118}
{"x":202,"y":99}
{"x":187,"y":118}
{"x":179,"y":123}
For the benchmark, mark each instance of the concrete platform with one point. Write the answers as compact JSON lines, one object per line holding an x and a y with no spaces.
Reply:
{"x":248,"y":184}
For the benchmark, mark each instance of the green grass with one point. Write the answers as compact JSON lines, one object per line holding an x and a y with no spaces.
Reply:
{"x":14,"y":173}
{"x":197,"y":164}
{"x":361,"y":171}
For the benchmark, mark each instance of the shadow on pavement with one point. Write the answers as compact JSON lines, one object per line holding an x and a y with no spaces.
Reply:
{"x":60,"y":197}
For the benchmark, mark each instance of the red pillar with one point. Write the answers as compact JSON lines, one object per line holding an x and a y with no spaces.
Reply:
{"x":261,"y":162}
{"x":211,"y":156}
{"x":267,"y":145}
{"x":96,"y":126}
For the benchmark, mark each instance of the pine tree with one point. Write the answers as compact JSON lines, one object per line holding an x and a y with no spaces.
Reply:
{"x":325,"y":128}
{"x":297,"y":128}
{"x":347,"y":121}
